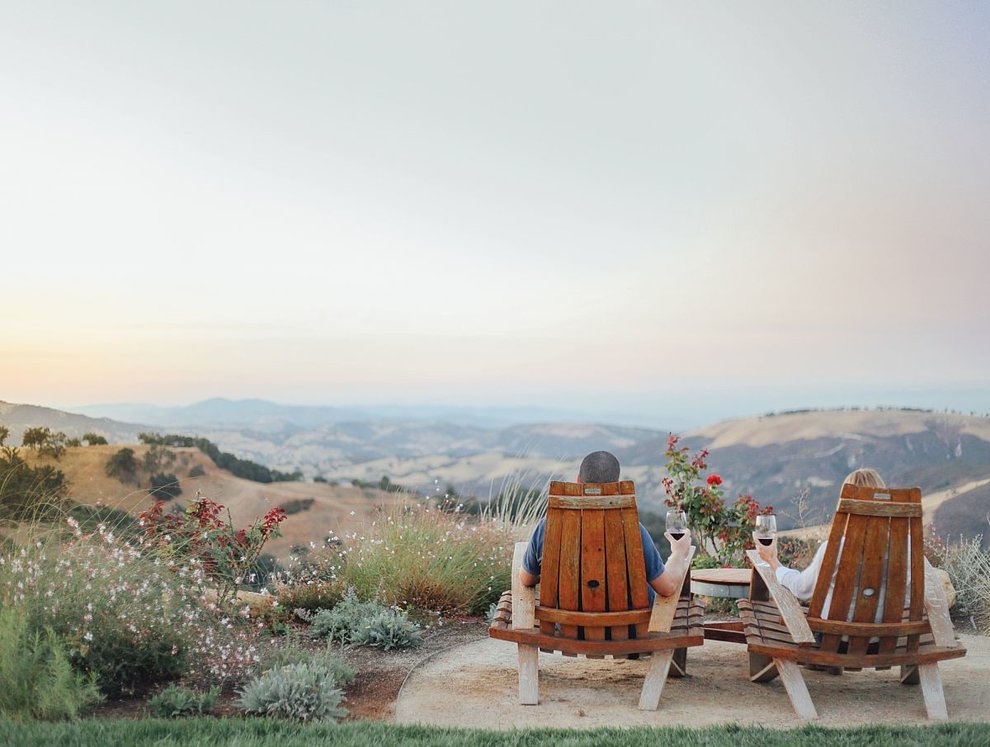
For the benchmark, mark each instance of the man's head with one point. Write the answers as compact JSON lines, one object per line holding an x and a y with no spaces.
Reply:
{"x":599,"y":466}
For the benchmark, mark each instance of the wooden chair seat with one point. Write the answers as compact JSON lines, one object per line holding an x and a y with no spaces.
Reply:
{"x":594,"y":593}
{"x":686,"y":630}
{"x":767,"y":634}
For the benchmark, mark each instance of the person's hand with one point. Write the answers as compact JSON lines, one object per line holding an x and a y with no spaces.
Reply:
{"x":679,"y":548}
{"x":767,"y":553}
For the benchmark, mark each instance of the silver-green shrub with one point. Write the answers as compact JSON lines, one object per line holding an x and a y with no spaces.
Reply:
{"x":337,"y":625}
{"x":300,"y":692}
{"x":176,"y":701}
{"x":365,"y":624}
{"x":387,"y":629}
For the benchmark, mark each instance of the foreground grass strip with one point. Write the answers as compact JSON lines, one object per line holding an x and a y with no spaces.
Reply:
{"x":257,"y":732}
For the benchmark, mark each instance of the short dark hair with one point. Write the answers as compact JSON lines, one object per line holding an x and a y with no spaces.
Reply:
{"x":599,"y":466}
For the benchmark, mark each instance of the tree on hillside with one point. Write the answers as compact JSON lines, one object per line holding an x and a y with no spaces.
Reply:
{"x":164,"y":487}
{"x":123,"y":466}
{"x":4,"y":434}
{"x":54,"y":446}
{"x":158,"y":457}
{"x":44,"y":441}
{"x":34,"y":438}
{"x":94,"y":439}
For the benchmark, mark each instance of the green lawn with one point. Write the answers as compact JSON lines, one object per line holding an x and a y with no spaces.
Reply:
{"x":256,"y":732}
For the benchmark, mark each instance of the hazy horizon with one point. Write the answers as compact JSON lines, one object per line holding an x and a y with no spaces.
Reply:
{"x":645,"y":210}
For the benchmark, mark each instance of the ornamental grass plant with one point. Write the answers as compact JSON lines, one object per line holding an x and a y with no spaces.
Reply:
{"x":968,"y":566}
{"x":37,"y":680}
{"x":416,"y":557}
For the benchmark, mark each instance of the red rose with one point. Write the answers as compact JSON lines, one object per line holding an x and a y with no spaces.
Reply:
{"x":714,"y":480}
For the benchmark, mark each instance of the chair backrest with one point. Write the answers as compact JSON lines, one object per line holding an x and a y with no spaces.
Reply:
{"x":593,"y":575}
{"x":874,"y":552}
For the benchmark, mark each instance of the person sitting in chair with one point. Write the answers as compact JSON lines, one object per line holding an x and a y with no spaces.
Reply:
{"x":664,"y":579}
{"x":802,"y":583}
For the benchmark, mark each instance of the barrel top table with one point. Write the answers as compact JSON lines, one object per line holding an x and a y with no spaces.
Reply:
{"x":729,"y":583}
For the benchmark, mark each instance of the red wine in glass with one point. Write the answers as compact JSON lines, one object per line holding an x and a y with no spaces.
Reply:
{"x":676,"y":535}
{"x":767,"y":541}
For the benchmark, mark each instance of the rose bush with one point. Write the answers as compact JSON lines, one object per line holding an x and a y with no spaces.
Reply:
{"x":722,"y":531}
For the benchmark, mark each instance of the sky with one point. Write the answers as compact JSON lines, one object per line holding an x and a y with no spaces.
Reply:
{"x":712,"y":208}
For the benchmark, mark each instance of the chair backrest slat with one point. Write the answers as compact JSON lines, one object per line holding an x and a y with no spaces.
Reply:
{"x":616,"y":571}
{"x":875,"y":536}
{"x":593,"y":550}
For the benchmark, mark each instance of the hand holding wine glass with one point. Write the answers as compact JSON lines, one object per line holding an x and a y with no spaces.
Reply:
{"x":765,"y":535}
{"x":676,"y":528}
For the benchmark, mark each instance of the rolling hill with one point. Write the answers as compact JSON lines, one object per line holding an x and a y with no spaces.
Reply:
{"x":793,"y":461}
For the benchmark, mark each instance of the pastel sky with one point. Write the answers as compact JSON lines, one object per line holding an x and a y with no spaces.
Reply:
{"x":611,"y":206}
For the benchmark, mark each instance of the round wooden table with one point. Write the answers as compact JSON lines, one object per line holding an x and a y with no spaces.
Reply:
{"x":729,"y":583}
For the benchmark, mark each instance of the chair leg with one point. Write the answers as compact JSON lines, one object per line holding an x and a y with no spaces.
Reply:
{"x":529,"y":674}
{"x":931,"y":691}
{"x":797,"y":691}
{"x":909,"y":674}
{"x":762,"y":668}
{"x":678,"y":664}
{"x":656,"y":676}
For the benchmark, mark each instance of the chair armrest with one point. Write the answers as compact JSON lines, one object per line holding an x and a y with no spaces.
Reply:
{"x":523,"y":597}
{"x":790,"y":609}
{"x":664,"y":608}
{"x":937,"y":607}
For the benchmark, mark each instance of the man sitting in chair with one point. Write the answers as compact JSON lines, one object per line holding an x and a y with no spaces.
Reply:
{"x":598,"y":467}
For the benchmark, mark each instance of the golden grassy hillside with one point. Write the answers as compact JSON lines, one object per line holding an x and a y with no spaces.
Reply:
{"x":779,"y":429}
{"x":335,"y":508}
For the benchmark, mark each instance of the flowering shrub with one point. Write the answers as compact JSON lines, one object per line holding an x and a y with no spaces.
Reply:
{"x":721,"y":530}
{"x":129,"y":616}
{"x":226,"y":554}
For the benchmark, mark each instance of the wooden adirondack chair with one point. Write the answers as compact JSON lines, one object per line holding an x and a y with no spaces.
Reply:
{"x":593,"y":592}
{"x":875,"y":543}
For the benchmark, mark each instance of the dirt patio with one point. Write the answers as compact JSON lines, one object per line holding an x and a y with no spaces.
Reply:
{"x":474,"y":685}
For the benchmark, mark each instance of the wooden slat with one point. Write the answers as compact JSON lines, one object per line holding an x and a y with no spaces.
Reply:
{"x":550,"y":566}
{"x":916,"y":583}
{"x":871,"y":577}
{"x":897,"y":569}
{"x":845,"y":577}
{"x":665,"y":607}
{"x":788,"y":605}
{"x":931,"y":691}
{"x":925,"y":655}
{"x":868,"y":630}
{"x":583,"y":502}
{"x":823,"y":584}
{"x":636,"y":565}
{"x":598,"y":619}
{"x":615,"y":568}
{"x":523,"y":597}
{"x":872,"y":508}
{"x":937,"y":606}
{"x":695,"y":636}
{"x":569,"y":583}
{"x":593,"y":576}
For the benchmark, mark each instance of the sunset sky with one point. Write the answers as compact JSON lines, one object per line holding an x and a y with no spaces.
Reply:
{"x":657,"y":209}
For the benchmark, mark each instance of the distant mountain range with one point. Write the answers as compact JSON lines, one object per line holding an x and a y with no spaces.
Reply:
{"x":794,"y":461}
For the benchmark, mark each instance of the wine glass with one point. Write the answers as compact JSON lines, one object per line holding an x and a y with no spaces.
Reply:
{"x":766,"y":529}
{"x":676,"y":523}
